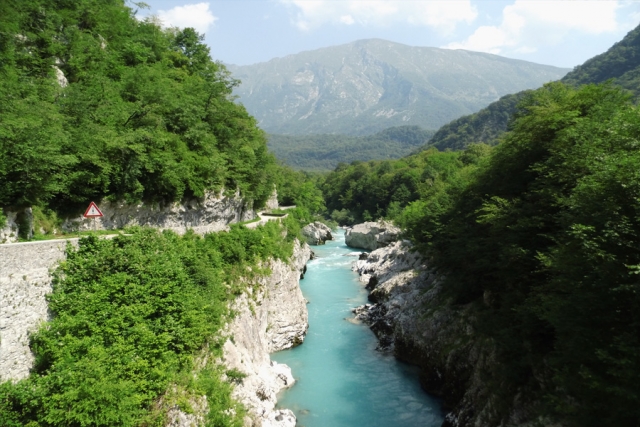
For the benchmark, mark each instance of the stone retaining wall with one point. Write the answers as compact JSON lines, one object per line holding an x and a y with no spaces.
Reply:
{"x":25,"y":279}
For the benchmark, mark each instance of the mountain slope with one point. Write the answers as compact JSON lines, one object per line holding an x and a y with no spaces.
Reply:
{"x":369,"y":85}
{"x":620,"y":64}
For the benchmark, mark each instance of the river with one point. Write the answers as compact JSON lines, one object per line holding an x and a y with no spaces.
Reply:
{"x":342,"y":381}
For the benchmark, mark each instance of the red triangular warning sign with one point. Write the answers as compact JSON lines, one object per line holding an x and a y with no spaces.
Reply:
{"x":92,"y":211}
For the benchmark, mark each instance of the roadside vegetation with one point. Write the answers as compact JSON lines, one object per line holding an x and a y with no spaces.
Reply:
{"x":96,"y":104}
{"x":130,"y":315}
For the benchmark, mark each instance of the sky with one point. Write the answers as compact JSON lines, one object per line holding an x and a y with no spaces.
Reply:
{"x":564,"y":33}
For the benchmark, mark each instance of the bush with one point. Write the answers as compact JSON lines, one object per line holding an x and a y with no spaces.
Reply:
{"x":129,"y":314}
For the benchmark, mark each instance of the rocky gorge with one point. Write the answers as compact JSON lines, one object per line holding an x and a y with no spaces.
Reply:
{"x":413,"y":319}
{"x":268,"y":318}
{"x":271,"y":315}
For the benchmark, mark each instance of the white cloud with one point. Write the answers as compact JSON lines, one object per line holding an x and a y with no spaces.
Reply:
{"x":527,"y":25}
{"x":347,"y":19}
{"x":197,"y":16}
{"x":442,"y":15}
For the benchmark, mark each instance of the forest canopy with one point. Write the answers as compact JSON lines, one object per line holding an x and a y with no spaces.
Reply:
{"x":95,"y":103}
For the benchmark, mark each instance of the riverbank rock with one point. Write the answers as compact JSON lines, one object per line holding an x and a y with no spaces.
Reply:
{"x":371,"y":235}
{"x":412,"y":317}
{"x":317,"y":233}
{"x":270,"y":316}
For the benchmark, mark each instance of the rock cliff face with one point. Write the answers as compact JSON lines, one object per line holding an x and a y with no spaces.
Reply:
{"x":371,"y":235}
{"x":25,"y":280}
{"x":412,"y":317}
{"x":269,"y":317}
{"x":9,"y":233}
{"x":212,"y":213}
{"x":317,"y":233}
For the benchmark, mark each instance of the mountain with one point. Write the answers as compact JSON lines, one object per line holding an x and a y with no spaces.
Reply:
{"x":369,"y":85}
{"x":325,"y":151}
{"x":620,"y":64}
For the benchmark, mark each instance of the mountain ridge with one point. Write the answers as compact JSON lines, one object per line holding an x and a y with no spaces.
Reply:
{"x":368,"y":85}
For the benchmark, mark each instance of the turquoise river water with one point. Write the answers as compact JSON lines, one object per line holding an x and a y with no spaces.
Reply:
{"x":342,"y":381}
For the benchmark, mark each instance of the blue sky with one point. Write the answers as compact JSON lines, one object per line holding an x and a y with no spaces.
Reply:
{"x":564,"y":33}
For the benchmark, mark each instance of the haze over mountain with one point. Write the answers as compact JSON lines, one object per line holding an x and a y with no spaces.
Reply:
{"x":369,"y":85}
{"x":326,"y":151}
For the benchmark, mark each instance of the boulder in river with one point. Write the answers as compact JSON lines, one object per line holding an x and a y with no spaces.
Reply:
{"x":317,"y":233}
{"x":371,"y":235}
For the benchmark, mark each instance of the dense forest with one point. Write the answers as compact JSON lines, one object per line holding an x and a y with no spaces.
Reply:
{"x":324,"y":152}
{"x":95,"y":103}
{"x":620,"y":64}
{"x":540,"y":235}
{"x":363,"y":191}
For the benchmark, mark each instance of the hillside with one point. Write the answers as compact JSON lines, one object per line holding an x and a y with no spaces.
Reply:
{"x":98,"y":104}
{"x":325,"y":152}
{"x":620,"y":64}
{"x":369,"y":85}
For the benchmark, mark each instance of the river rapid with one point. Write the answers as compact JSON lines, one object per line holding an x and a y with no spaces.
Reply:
{"x":342,"y":381}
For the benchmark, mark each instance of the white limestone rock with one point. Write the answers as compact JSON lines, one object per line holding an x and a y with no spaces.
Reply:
{"x":212,"y":213}
{"x":317,"y":233}
{"x":25,"y":280}
{"x":178,"y":418}
{"x":371,"y":235}
{"x":269,"y":317}
{"x":60,"y":77}
{"x":272,"y":202}
{"x":9,"y":233}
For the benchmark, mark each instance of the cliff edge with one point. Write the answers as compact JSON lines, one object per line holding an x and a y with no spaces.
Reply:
{"x":413,"y":318}
{"x":270,"y":318}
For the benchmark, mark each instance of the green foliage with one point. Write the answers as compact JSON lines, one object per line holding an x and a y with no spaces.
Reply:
{"x":324,"y":152}
{"x":45,"y":222}
{"x":129,"y":314}
{"x":485,"y":126}
{"x":546,"y":233}
{"x":146,"y":114}
{"x":371,"y":190}
{"x":300,"y":189}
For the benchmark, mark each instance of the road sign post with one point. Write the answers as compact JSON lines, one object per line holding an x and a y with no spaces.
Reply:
{"x":93,"y":212}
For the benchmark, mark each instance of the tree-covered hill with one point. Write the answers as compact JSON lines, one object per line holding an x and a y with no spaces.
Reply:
{"x":324,"y":152}
{"x":95,"y":103}
{"x":620,"y":64}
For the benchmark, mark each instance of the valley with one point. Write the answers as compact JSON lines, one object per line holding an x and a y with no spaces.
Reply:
{"x":474,"y":224}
